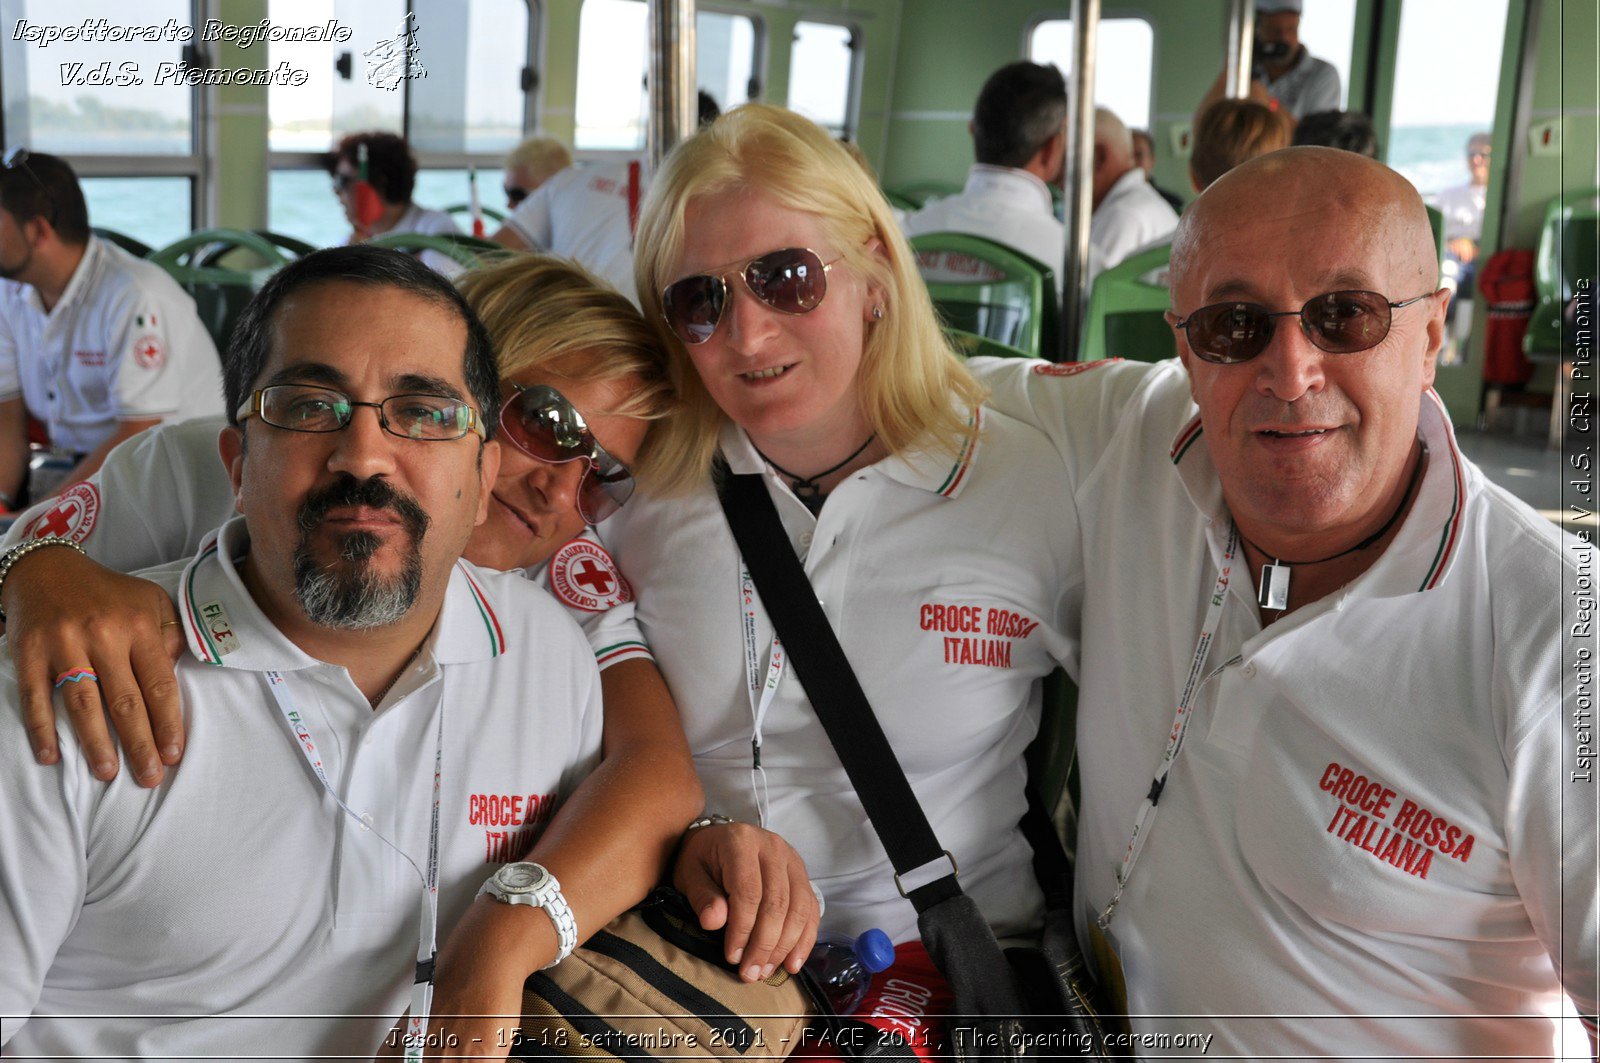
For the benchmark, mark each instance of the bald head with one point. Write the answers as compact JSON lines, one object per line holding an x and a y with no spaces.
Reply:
{"x":1379,"y":209}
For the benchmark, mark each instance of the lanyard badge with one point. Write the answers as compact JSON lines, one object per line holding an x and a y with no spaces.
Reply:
{"x":428,"y":931}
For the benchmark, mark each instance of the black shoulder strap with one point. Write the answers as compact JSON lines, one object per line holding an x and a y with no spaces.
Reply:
{"x":831,"y":685}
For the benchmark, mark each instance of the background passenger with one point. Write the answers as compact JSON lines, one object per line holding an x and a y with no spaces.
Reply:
{"x":1018,"y":132}
{"x":1285,"y":76}
{"x":385,"y":205}
{"x":1144,"y":157}
{"x":532,"y":163}
{"x":100,"y":344}
{"x":588,"y":214}
{"x":1129,"y":215}
{"x":1346,"y":130}
{"x":1230,"y":132}
{"x":1462,"y":206}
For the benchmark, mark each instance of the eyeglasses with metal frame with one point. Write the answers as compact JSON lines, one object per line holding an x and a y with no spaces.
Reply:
{"x":1343,"y":322}
{"x":309,"y":408}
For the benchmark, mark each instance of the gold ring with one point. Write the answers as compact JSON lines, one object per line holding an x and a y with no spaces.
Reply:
{"x":169,"y":623}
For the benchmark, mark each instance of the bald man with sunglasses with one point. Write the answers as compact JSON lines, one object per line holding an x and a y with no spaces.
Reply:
{"x":1326,"y":688}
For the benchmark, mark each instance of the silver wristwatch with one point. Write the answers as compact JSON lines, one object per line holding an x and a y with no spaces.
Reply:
{"x":532,"y":884}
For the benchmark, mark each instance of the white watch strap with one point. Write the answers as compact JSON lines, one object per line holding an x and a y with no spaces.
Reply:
{"x":550,"y":898}
{"x":560,"y":913}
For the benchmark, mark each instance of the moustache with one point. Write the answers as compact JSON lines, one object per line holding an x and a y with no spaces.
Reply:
{"x":373,"y":493}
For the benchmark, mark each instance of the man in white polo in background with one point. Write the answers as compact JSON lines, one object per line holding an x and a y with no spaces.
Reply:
{"x":1325,"y":684}
{"x":362,"y":708}
{"x":1018,"y":132}
{"x":1129,"y":215}
{"x":100,"y":345}
{"x":588,"y":214}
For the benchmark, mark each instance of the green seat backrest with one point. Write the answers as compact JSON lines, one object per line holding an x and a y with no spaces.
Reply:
{"x":1126,"y":310}
{"x":464,"y":211}
{"x":220,"y":294}
{"x":1569,"y":247}
{"x":990,"y":290}
{"x":968,"y":345}
{"x":1052,"y":757}
{"x":917,"y":193}
{"x":137,"y":248}
{"x":900,"y":202}
{"x":1436,"y":223}
{"x":467,"y":250}
{"x":293,"y":245}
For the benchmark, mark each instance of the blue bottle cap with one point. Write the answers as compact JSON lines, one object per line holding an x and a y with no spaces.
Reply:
{"x":874,"y":950}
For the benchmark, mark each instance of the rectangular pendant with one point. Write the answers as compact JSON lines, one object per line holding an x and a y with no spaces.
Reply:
{"x":1274,"y":587}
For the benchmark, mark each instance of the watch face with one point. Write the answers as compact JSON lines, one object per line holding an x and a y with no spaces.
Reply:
{"x":521,"y":877}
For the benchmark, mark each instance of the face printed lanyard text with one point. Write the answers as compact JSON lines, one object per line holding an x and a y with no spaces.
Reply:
{"x":1180,"y":723}
{"x":428,"y":936}
{"x":761,"y":691}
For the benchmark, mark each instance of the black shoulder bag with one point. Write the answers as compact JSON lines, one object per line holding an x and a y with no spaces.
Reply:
{"x":1020,"y":1001}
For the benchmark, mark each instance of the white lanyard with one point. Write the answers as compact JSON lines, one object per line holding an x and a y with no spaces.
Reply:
{"x":1180,"y":723}
{"x":428,"y":937}
{"x":761,"y":691}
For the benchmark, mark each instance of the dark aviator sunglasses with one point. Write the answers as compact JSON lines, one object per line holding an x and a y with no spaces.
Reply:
{"x":1336,"y":322}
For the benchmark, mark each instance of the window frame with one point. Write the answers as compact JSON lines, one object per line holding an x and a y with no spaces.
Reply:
{"x":1038,"y":19}
{"x":758,"y":47}
{"x":197,"y":164}
{"x":858,"y":55}
{"x":453,"y":160}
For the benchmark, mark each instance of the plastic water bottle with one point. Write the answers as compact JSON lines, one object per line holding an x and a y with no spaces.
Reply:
{"x":844,"y":968}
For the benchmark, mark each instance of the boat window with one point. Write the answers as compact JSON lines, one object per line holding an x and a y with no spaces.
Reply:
{"x":1123,"y":86}
{"x":125,"y":112}
{"x":613,"y":60}
{"x":823,"y":74}
{"x":340,"y":94}
{"x":1443,"y":95}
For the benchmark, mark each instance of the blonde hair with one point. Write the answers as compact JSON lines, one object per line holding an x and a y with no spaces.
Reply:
{"x":912,"y":388}
{"x":546,"y":313}
{"x":1233,"y":131}
{"x":540,"y":156}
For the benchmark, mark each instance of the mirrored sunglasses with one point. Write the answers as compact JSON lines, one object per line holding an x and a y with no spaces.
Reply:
{"x":1336,"y":322}
{"x":514,"y":195}
{"x":791,"y":280}
{"x":541,"y":423}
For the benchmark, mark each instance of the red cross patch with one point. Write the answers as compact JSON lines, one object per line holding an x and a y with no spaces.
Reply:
{"x":148,"y":352}
{"x":583,"y":576}
{"x":1070,"y":368}
{"x":72,"y":517}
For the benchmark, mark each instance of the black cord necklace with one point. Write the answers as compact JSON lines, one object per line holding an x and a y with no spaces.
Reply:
{"x":1274,"y":593}
{"x":805,"y":488}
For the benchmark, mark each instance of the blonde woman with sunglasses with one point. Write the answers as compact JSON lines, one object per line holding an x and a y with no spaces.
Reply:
{"x":566,"y":344}
{"x":804,"y":349}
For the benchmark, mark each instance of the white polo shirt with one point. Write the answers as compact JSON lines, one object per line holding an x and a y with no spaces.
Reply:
{"x":1371,"y":816}
{"x":1462,"y":207}
{"x":1009,"y":206}
{"x":112,"y":517}
{"x":581,"y":213}
{"x":1131,"y":217}
{"x":941,"y":580}
{"x":123,"y":344}
{"x":238,"y":887}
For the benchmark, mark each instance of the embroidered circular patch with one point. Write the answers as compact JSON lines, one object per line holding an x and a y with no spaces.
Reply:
{"x":72,"y":517}
{"x":1070,"y":368}
{"x":583,"y":575}
{"x":148,"y":352}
